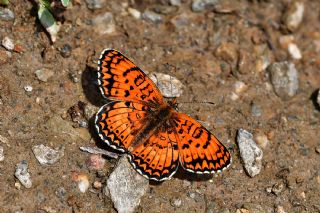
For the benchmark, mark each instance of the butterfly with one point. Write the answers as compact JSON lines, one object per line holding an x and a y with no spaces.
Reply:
{"x":139,"y":122}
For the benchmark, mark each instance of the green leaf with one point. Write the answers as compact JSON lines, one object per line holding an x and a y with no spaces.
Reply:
{"x":65,"y":3}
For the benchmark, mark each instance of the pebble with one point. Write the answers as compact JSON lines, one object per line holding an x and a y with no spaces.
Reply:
{"x":97,"y":185}
{"x":256,"y":110}
{"x":46,"y":155}
{"x":134,"y":13}
{"x":169,"y":86}
{"x":262,"y":140}
{"x":82,"y":180}
{"x":89,"y":111}
{"x":239,"y":87}
{"x":287,"y":42}
{"x":294,"y":15}
{"x":250,"y":153}
{"x":95,"y":162}
{"x":7,"y":43}
{"x":152,"y":16}
{"x":251,"y":207}
{"x":28,"y":88}
{"x":96,"y":150}
{"x":6,"y":14}
{"x":182,"y":20}
{"x":23,"y":175}
{"x":65,"y":51}
{"x":1,"y":154}
{"x":61,"y":193}
{"x":176,"y":202}
{"x":175,"y":2}
{"x":277,"y":188}
{"x":126,"y":186}
{"x":200,"y":5}
{"x":104,"y":24}
{"x":280,"y":209}
{"x":95,"y":4}
{"x":44,"y":74}
{"x":284,"y":79}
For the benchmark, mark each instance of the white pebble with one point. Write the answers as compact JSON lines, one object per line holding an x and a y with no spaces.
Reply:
{"x":134,"y":13}
{"x":47,"y":156}
{"x":28,"y":88}
{"x":1,"y":154}
{"x":23,"y":175}
{"x":7,"y":43}
{"x":294,"y":51}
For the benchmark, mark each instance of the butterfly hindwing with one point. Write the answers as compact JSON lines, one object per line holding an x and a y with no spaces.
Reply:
{"x":200,"y":151}
{"x":158,"y":157}
{"x":120,"y":79}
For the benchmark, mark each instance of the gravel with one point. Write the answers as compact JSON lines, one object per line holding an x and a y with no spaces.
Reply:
{"x":6,"y":14}
{"x":250,"y":153}
{"x":152,"y":16}
{"x":201,"y":5}
{"x":7,"y":43}
{"x":23,"y":175}
{"x":46,"y":155}
{"x":44,"y":74}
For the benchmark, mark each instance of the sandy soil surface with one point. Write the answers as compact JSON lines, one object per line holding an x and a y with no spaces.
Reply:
{"x":222,"y":53}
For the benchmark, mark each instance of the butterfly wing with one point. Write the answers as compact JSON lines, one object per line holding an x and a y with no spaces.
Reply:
{"x":158,"y":157}
{"x":199,"y":150}
{"x":120,"y":79}
{"x":118,"y":122}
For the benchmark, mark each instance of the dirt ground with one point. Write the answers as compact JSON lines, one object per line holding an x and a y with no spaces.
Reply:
{"x":209,"y":51}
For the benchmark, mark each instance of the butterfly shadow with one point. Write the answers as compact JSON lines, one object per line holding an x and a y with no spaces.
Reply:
{"x":314,"y":97}
{"x":90,"y":87}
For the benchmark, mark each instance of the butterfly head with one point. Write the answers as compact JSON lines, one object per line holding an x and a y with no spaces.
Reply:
{"x":173,"y":103}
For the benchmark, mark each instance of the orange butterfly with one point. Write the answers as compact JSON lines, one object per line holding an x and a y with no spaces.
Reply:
{"x":139,"y":122}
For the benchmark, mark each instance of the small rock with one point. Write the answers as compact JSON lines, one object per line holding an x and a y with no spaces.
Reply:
{"x":44,"y":74}
{"x":23,"y":175}
{"x":7,"y":43}
{"x":126,"y":187}
{"x":239,"y":87}
{"x":280,"y":209}
{"x":294,"y":15}
{"x":294,"y":51}
{"x":104,"y":24}
{"x":6,"y":14}
{"x":134,"y":13}
{"x":82,"y":180}
{"x":256,"y":110}
{"x":250,"y":153}
{"x":95,"y":4}
{"x":277,"y":188}
{"x":97,"y":185}
{"x":176,"y":202}
{"x":152,"y":16}
{"x":262,"y":140}
{"x":287,"y":42}
{"x":200,"y":5}
{"x":175,"y":2}
{"x":1,"y":154}
{"x":28,"y":88}
{"x":47,"y":156}
{"x":169,"y":86}
{"x":65,"y":51}
{"x":284,"y":79}
{"x":95,"y":162}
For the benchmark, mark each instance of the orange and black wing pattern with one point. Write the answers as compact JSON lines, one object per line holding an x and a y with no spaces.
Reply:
{"x":199,"y":150}
{"x":118,"y":122}
{"x":158,"y":157}
{"x":120,"y":79}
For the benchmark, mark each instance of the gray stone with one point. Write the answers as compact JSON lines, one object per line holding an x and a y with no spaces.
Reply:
{"x":176,"y":202}
{"x":294,"y":15}
{"x":22,"y":174}
{"x":47,"y":156}
{"x":152,"y":16}
{"x":104,"y":24}
{"x":6,"y":14}
{"x":44,"y":74}
{"x":1,"y":154}
{"x":7,"y":43}
{"x":126,"y":186}
{"x":256,"y":110}
{"x":200,"y":5}
{"x":95,"y":4}
{"x":284,"y":79}
{"x":169,"y":86}
{"x":250,"y":153}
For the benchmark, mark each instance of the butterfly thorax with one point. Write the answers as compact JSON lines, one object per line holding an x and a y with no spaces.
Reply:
{"x":158,"y":119}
